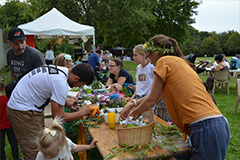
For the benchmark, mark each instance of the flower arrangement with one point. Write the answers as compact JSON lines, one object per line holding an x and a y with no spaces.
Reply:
{"x":104,"y":100}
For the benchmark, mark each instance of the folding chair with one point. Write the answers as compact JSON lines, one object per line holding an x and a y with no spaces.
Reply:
{"x":221,"y":77}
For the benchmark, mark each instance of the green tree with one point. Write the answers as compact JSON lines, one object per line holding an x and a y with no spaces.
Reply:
{"x":123,"y":22}
{"x":174,"y":17}
{"x":69,"y":8}
{"x":216,"y":39}
{"x":14,"y":13}
{"x":203,"y":35}
{"x":233,"y":44}
{"x":188,"y":47}
{"x":116,"y":22}
{"x":192,"y":43}
{"x":210,"y":47}
{"x":223,"y":37}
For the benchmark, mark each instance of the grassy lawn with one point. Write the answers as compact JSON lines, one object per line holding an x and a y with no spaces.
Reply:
{"x":225,"y":103}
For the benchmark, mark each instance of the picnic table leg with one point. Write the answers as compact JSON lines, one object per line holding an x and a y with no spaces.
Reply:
{"x":82,"y":140}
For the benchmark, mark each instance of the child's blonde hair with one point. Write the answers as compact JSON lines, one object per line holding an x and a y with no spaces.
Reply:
{"x":62,"y":59}
{"x":140,"y":49}
{"x":51,"y":140}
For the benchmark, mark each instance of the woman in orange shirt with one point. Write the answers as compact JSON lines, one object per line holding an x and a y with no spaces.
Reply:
{"x":188,"y":103}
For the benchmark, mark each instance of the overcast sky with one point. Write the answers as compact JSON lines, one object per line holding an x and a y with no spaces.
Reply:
{"x":218,"y":15}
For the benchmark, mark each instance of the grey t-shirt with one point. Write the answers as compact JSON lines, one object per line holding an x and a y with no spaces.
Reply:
{"x":31,"y":58}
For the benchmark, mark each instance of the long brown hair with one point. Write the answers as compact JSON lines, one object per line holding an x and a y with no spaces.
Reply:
{"x":167,"y":42}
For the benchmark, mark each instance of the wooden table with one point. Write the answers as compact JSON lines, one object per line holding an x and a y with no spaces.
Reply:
{"x":108,"y":139}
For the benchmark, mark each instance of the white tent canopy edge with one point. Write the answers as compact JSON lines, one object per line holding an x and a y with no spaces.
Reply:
{"x":54,"y":24}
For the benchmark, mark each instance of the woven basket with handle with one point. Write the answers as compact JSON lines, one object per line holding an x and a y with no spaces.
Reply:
{"x":134,"y":135}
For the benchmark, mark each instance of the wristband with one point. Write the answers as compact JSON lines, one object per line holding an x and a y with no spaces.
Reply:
{"x":134,"y":101}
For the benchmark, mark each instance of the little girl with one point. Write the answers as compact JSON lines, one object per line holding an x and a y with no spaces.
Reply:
{"x":53,"y":144}
{"x":144,"y":72}
{"x":144,"y":80}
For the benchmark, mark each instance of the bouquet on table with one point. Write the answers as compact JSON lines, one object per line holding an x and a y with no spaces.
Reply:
{"x":105,"y":100}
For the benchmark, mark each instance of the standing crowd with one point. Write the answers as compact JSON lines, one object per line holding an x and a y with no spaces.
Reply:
{"x":165,"y":81}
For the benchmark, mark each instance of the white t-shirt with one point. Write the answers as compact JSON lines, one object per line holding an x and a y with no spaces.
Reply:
{"x":49,"y":55}
{"x":109,"y":55}
{"x":215,"y":64}
{"x":144,"y":78}
{"x":36,"y":87}
{"x":62,"y":155}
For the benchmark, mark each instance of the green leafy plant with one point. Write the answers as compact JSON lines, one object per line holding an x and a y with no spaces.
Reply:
{"x":41,"y":44}
{"x":167,"y":134}
{"x":90,"y":122}
{"x":75,"y":89}
{"x":136,"y":149}
{"x":65,"y":47}
{"x":168,"y":131}
{"x":97,"y":85}
{"x":125,"y":91}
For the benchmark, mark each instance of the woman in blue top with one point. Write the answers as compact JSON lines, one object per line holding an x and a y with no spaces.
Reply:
{"x":118,"y":76}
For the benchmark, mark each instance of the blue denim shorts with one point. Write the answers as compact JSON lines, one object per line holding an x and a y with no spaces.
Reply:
{"x":209,"y":139}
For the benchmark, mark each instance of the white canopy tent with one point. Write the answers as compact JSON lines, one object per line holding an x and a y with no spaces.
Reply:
{"x":54,"y":24}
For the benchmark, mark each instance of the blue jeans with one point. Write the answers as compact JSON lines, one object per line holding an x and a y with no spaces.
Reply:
{"x":13,"y":142}
{"x":209,"y":139}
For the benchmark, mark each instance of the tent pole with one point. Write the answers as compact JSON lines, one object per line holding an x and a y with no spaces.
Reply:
{"x":93,"y":43}
{"x":83,"y":47}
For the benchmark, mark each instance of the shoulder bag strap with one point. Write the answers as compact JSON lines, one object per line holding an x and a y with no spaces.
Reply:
{"x":48,"y":100}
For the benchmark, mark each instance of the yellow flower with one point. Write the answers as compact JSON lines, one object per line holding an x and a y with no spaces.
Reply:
{"x":145,"y":46}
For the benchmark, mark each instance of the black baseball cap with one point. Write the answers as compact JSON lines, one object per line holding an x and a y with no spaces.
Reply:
{"x":16,"y":34}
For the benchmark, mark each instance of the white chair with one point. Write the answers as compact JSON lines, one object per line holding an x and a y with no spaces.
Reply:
{"x":221,"y":77}
{"x":238,"y":96}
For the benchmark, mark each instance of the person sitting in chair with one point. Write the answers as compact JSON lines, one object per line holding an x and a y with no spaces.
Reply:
{"x":221,"y":65}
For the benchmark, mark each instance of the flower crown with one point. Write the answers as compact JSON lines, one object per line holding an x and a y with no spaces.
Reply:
{"x":150,"y":47}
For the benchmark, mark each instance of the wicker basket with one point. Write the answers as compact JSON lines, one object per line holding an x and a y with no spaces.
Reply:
{"x":135,"y":135}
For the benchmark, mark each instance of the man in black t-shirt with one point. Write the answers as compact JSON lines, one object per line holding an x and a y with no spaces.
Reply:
{"x":20,"y":57}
